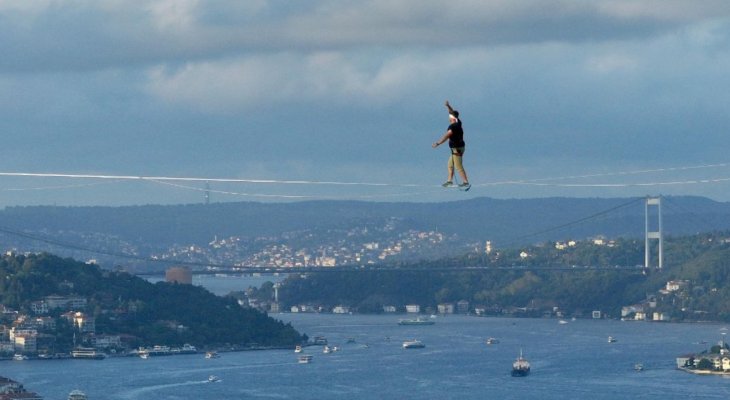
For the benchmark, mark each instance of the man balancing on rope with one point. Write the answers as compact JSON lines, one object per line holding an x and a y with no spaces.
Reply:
{"x":455,"y":135}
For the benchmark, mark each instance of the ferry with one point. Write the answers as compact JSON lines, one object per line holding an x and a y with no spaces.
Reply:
{"x":416,"y":321}
{"x":77,"y":395}
{"x":305,"y":359}
{"x":521,"y":367}
{"x":87,"y":353}
{"x":186,"y":349}
{"x":413,"y":344}
{"x":155,"y":351}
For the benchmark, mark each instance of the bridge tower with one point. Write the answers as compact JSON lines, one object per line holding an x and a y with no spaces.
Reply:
{"x":653,"y":234}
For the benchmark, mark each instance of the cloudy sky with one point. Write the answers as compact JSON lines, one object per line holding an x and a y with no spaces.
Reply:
{"x":558,"y":98}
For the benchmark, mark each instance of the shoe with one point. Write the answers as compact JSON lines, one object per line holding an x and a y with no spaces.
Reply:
{"x":447,"y":184}
{"x":465,"y":186}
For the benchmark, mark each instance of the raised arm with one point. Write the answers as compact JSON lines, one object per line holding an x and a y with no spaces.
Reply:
{"x":451,"y":110}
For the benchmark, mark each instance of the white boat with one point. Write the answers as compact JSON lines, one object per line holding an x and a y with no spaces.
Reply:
{"x":326,"y":350}
{"x":144,"y":356}
{"x":19,"y":357}
{"x":562,"y":322}
{"x":211,"y":354}
{"x":298,"y":349}
{"x":213,"y":378}
{"x":305,"y":359}
{"x":77,"y":395}
{"x":611,"y":339}
{"x":492,"y":340}
{"x":87,"y":353}
{"x":639,"y":367}
{"x":521,"y":367}
{"x":335,"y":348}
{"x":413,"y":344}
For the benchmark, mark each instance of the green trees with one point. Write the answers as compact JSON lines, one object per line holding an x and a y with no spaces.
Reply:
{"x":160,"y":313}
{"x":502,"y":280}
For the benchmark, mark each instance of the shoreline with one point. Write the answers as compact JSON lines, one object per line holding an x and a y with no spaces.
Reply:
{"x":703,"y":371}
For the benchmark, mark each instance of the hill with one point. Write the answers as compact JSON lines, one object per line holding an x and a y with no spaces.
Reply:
{"x":169,"y":232}
{"x":122,"y":304}
{"x":547,"y":280}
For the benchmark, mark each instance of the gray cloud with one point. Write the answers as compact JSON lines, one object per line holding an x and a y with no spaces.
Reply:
{"x":271,"y":89}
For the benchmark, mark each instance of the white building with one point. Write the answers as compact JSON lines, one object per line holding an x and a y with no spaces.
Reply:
{"x":660,"y":317}
{"x":673,"y":286}
{"x":341,"y":310}
{"x":413,"y":308}
{"x":446,"y":308}
{"x":26,"y":343}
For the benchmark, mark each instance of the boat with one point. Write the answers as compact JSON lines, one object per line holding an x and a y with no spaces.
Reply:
{"x":492,"y":340}
{"x":144,"y":356}
{"x":326,"y":350}
{"x":413,"y":344}
{"x":611,"y":339}
{"x":305,"y":359}
{"x":88,"y":353}
{"x":521,"y":367}
{"x":335,"y":348}
{"x":319,"y":341}
{"x":19,"y":357}
{"x":211,"y":354}
{"x":186,"y":349}
{"x":77,"y":395}
{"x":298,"y":349}
{"x":213,"y":378}
{"x":639,"y":367}
{"x":562,"y":322}
{"x":416,"y":321}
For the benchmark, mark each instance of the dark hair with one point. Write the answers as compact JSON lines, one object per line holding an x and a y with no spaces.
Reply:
{"x":455,"y":113}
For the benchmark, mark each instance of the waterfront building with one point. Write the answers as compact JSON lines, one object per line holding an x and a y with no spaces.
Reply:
{"x":26,"y":343}
{"x":446,"y":308}
{"x":413,"y":308}
{"x":462,"y":307}
{"x":341,"y":310}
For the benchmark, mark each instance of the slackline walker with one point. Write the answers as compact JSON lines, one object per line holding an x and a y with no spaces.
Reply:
{"x":455,"y":135}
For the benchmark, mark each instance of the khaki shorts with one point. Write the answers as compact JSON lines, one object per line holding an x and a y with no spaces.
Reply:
{"x":455,"y":159}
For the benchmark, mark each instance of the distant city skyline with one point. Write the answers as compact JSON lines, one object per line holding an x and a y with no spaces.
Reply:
{"x":342,"y":99}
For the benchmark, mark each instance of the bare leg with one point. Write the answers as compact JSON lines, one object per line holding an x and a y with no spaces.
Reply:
{"x":463,"y":175}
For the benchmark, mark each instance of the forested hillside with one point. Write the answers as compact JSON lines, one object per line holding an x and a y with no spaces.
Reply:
{"x":123,"y":304}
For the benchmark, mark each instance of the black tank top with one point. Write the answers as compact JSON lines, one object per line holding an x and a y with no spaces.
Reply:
{"x":457,"y":135}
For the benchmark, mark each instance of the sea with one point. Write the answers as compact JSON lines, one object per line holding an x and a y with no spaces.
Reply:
{"x":570,"y":360}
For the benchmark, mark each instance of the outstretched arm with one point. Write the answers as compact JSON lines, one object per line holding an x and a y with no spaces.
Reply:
{"x":444,"y":138}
